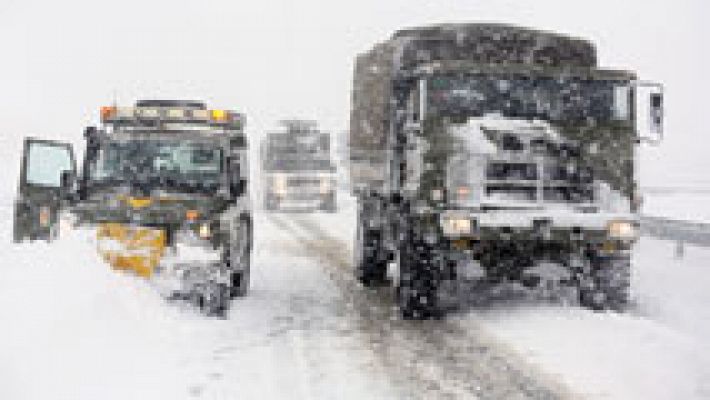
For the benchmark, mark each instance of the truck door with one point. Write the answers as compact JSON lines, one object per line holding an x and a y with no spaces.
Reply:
{"x":47,"y":176}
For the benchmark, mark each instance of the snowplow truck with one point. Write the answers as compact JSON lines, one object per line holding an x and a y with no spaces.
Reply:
{"x":488,"y":153}
{"x":165,"y":185}
{"x":297,"y":169}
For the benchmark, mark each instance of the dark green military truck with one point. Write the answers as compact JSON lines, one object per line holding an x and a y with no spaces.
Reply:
{"x":165,"y":183}
{"x":490,"y":153}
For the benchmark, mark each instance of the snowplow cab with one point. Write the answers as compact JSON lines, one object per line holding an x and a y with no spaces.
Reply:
{"x":158,"y":179}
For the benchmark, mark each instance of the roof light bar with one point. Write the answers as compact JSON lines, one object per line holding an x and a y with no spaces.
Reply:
{"x":175,"y":113}
{"x":107,"y":112}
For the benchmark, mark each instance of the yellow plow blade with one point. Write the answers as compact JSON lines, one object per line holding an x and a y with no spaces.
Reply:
{"x":132,"y":248}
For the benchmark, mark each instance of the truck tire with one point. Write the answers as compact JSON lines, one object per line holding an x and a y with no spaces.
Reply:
{"x":329,"y":204}
{"x":271,"y":202}
{"x":419,"y":279}
{"x":610,"y":284}
{"x":241,"y":254}
{"x":370,"y":260}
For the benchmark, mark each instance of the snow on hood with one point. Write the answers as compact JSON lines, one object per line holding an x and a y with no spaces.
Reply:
{"x":471,"y":133}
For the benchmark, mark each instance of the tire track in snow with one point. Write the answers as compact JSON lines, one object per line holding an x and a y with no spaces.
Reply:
{"x":427,"y":358}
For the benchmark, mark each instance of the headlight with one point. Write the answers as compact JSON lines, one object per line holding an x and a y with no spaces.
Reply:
{"x":455,"y":226}
{"x":324,"y":185}
{"x":279,"y":182}
{"x":623,"y":230}
{"x":45,"y":216}
{"x":462,"y":193}
{"x":204,"y":231}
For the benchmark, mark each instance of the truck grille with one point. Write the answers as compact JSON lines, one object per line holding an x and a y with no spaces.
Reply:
{"x":541,"y":181}
{"x":300,"y":181}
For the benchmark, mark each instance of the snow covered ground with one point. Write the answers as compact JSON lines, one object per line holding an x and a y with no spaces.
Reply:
{"x":658,"y":351}
{"x":72,"y":328}
{"x":680,"y":204}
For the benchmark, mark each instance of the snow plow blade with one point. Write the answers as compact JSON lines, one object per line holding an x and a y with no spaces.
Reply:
{"x":131,"y":248}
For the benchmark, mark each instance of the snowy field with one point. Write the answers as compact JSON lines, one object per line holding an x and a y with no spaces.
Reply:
{"x":680,"y":205}
{"x":74,"y":329}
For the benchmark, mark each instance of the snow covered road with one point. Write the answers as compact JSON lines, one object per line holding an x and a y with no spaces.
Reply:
{"x":73,"y":329}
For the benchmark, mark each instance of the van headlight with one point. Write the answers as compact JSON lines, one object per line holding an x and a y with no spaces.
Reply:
{"x":324,"y":185}
{"x":455,"y":226}
{"x":204,"y":231}
{"x":279,"y":184}
{"x":622,"y":230}
{"x":463,"y":193}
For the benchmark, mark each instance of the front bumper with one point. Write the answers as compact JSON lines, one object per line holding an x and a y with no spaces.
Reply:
{"x":299,"y":199}
{"x":546,"y":224}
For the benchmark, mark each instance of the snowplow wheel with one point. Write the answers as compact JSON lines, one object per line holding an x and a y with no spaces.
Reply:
{"x":215,"y":299}
{"x":239,"y":259}
{"x":610,"y":288}
{"x":370,"y":263}
{"x":419,"y":281}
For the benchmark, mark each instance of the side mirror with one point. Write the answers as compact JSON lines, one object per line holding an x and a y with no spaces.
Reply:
{"x":656,"y":113}
{"x":67,"y":180}
{"x":237,"y":185}
{"x":648,"y":111}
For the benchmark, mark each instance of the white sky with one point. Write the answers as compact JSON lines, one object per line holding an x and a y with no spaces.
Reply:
{"x":275,"y":59}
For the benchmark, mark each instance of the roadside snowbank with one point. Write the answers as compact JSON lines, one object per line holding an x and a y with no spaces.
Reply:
{"x":658,"y":351}
{"x":678,"y":205}
{"x":74,"y":329}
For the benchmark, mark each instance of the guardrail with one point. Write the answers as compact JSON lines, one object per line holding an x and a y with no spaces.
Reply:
{"x":697,"y":233}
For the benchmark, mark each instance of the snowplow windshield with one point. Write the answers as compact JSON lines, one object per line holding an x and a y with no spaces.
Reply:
{"x":178,"y":165}
{"x":563,"y":99}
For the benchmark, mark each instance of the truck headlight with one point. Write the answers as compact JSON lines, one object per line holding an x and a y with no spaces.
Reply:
{"x":462,"y":193}
{"x":455,"y":226}
{"x":204,"y":231}
{"x":623,"y":230}
{"x":45,"y":216}
{"x":279,"y":182}
{"x":324,"y":185}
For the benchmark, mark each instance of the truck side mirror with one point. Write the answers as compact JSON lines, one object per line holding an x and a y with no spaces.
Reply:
{"x":237,"y":185}
{"x":656,"y":113}
{"x":67,"y":180}
{"x":648,"y":111}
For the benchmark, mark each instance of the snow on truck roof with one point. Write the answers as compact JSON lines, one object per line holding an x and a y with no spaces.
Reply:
{"x":484,"y":43}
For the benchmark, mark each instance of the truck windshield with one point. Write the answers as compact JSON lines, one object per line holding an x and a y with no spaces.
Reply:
{"x":566,"y":100}
{"x":178,"y":165}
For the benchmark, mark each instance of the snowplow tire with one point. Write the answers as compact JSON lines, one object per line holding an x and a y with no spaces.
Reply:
{"x":241,"y":279}
{"x":215,"y":300}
